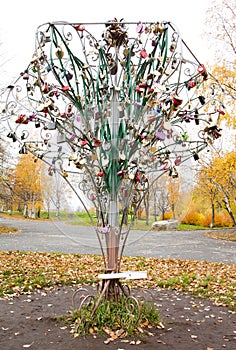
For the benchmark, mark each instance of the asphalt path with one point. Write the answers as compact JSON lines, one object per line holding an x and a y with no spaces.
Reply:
{"x":59,"y":236}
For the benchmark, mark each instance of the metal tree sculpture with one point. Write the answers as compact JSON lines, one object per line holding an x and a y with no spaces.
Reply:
{"x":113,"y":102}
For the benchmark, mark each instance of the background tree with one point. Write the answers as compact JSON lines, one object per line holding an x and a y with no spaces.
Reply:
{"x":226,"y":73}
{"x":161,"y":197}
{"x":224,"y":178}
{"x":221,"y":29}
{"x":3,"y":189}
{"x":6,"y":176}
{"x":173,"y":187}
{"x":217,"y":184}
{"x":55,"y":191}
{"x":206,"y":191}
{"x":59,"y":194}
{"x":27,"y":185}
{"x":47,"y":189}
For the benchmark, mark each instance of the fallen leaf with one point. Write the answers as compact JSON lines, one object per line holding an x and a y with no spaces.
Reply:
{"x":108,"y":340}
{"x":63,"y":328}
{"x":62,"y":269}
{"x":193,"y":336}
{"x":107,"y":331}
{"x":149,"y":333}
{"x":28,"y":345}
{"x":140,"y":329}
{"x":91,"y":330}
{"x":160,"y":325}
{"x":119,"y":332}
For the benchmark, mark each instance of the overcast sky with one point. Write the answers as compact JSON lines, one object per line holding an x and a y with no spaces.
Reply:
{"x":20,"y":19}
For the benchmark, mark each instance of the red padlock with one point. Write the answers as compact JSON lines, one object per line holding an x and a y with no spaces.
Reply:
{"x":143,"y":53}
{"x":84,"y":143}
{"x":177,"y":160}
{"x":79,"y":27}
{"x":176,"y":100}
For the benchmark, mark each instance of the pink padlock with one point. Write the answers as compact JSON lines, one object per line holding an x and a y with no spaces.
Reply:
{"x":160,"y":135}
{"x":139,"y":28}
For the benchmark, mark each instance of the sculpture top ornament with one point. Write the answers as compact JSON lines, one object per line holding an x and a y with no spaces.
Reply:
{"x":123,"y":100}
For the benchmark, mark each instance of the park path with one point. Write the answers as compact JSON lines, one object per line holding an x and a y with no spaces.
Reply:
{"x":59,"y":236}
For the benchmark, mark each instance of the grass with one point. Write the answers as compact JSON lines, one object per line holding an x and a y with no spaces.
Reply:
{"x":113,"y":317}
{"x":186,"y":227}
{"x":82,"y":219}
{"x":24,"y":272}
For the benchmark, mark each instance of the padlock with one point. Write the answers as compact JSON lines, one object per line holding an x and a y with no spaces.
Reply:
{"x":177,"y":160}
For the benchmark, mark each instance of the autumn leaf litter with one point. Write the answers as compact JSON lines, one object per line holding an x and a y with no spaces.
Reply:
{"x":22,"y":272}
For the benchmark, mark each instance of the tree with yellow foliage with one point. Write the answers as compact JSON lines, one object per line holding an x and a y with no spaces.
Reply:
{"x":27,"y":185}
{"x":227,"y":74}
{"x":217,"y":183}
{"x":173,"y":188}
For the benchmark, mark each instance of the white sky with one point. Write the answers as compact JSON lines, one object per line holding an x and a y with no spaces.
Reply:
{"x":19,"y":20}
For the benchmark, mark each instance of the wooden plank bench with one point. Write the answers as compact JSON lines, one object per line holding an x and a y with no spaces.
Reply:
{"x":108,"y":278}
{"x":127,"y":275}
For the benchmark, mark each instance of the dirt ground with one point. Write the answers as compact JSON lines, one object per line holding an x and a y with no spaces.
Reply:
{"x":27,"y":322}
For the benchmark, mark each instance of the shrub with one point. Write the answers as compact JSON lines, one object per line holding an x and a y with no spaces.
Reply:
{"x":168,"y":215}
{"x":221,"y":220}
{"x":193,"y":218}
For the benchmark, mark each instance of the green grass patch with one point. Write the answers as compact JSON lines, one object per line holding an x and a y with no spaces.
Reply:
{"x":83,"y":219}
{"x":183,"y":227}
{"x":112,"y":317}
{"x":169,"y":283}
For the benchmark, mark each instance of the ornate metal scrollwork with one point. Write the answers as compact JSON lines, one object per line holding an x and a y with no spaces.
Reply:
{"x":113,"y":107}
{"x":82,"y":298}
